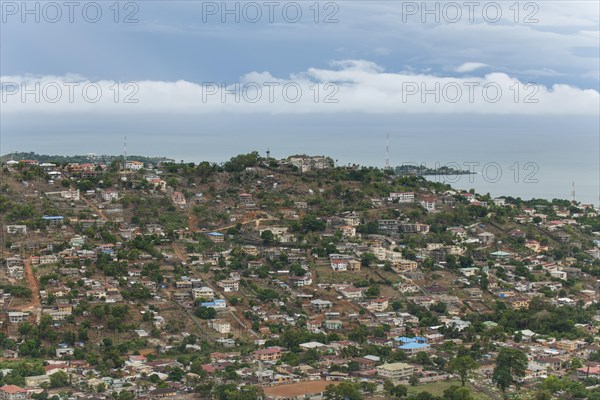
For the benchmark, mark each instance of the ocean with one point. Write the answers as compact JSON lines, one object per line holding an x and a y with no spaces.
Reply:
{"x":520,"y":156}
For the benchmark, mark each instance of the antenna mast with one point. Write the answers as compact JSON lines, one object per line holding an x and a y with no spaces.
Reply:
{"x":387,"y":152}
{"x":573,"y":192}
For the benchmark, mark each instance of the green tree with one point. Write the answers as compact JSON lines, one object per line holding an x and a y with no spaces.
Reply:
{"x":267,"y":237}
{"x":205,"y":312}
{"x":510,"y":364}
{"x":462,"y":366}
{"x":59,"y":379}
{"x":343,"y":391}
{"x":457,"y":393}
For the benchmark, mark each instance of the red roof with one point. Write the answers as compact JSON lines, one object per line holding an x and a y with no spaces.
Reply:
{"x":12,"y":389}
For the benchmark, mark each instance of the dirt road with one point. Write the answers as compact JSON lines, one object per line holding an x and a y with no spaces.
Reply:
{"x":96,"y":209}
{"x":34,"y":305}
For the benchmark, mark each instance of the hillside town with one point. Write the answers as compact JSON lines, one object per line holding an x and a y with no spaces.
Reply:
{"x":289,"y":279}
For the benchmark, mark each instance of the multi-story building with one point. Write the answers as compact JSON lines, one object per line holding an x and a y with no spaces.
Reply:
{"x":395,"y":371}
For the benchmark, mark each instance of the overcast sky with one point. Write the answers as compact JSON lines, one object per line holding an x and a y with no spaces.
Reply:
{"x":75,"y":76}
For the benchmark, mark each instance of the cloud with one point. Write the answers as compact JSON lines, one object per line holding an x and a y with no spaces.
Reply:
{"x":470,"y":67}
{"x":347,"y":86}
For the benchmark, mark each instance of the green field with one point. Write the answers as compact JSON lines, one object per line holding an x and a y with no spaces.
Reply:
{"x":437,"y":389}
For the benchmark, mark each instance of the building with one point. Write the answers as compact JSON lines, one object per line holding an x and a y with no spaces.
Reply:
{"x":70,"y":194}
{"x":348,"y":231}
{"x":319,"y":305}
{"x":352,"y":293}
{"x":389,"y":225}
{"x":300,"y":281}
{"x":428,"y":203}
{"x":229,"y":285}
{"x":519,"y":302}
{"x":414,"y":228}
{"x":218,"y":304}
{"x":486,"y":237}
{"x":16,"y":229}
{"x":246,"y":199}
{"x":178,"y":198}
{"x":16,"y":317}
{"x":109,"y":195}
{"x":12,"y":392}
{"x":216,"y":237}
{"x":402,"y":197}
{"x":269,"y":354}
{"x":220,"y":325}
{"x":203,"y":293}
{"x":378,"y":305}
{"x":134,"y":165}
{"x":339,"y":264}
{"x":354,"y":265}
{"x":410,"y":349}
{"x":395,"y":371}
{"x":332,"y":324}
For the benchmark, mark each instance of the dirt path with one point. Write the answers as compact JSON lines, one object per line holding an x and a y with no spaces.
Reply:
{"x":96,"y":209}
{"x":193,"y":222}
{"x":34,"y":304}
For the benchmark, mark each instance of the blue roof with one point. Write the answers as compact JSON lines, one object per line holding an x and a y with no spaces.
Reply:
{"x":416,"y":339}
{"x":216,"y":234}
{"x":405,"y":339}
{"x":412,"y":346}
{"x":52,"y":217}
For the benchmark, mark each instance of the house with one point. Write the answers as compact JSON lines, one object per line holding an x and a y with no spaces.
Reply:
{"x":109,"y":195}
{"x":203,"y":293}
{"x":332,"y":324}
{"x":229,"y":285}
{"x":216,"y":304}
{"x":70,"y":194}
{"x":64,"y":351}
{"x":395,"y":371}
{"x":378,"y":305}
{"x":354,"y":265}
{"x":269,"y":354}
{"x":216,"y":237}
{"x":220,"y":325}
{"x":178,"y":198}
{"x":472,"y":271}
{"x":474,"y":293}
{"x":457,"y":323}
{"x":351,"y":293}
{"x":134,"y":165}
{"x":338,"y":264}
{"x":414,"y":228}
{"x":389,"y":225}
{"x":16,"y":317}
{"x":12,"y":392}
{"x":486,"y":237}
{"x":16,"y":229}
{"x":301,"y":205}
{"x":413,"y":348}
{"x":162,"y":393}
{"x":319,"y":305}
{"x":300,"y":281}
{"x":428,"y":203}
{"x":402,"y":197}
{"x":348,"y":231}
{"x":246,"y":199}
{"x":518,"y":302}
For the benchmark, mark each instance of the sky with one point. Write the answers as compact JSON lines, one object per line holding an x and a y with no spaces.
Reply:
{"x":205,"y":80}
